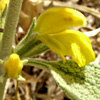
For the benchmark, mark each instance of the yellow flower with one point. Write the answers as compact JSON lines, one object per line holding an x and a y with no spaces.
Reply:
{"x":13,"y":66}
{"x":3,"y":4}
{"x":53,"y":24}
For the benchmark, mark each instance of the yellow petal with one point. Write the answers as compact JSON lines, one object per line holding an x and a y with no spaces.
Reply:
{"x":58,"y":19}
{"x":71,"y":43}
{"x":13,"y":66}
{"x":6,"y":1}
{"x":2,"y":5}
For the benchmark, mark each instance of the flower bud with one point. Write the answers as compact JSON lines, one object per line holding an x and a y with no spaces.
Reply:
{"x":13,"y":66}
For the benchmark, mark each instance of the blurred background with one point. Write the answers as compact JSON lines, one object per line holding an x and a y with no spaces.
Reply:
{"x":40,"y":84}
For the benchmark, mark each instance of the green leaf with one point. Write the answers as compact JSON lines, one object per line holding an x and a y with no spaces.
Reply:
{"x":80,"y":83}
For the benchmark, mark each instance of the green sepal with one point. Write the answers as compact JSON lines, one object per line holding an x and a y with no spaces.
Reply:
{"x":30,"y":46}
{"x":24,"y":61}
{"x":20,"y":78}
{"x":79,"y":83}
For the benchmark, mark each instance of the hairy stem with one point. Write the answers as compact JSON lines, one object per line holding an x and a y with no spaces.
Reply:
{"x":9,"y":33}
{"x":10,"y":27}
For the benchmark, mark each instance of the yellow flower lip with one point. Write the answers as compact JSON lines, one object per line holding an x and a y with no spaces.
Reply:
{"x":71,"y":43}
{"x":58,"y":19}
{"x":13,"y":66}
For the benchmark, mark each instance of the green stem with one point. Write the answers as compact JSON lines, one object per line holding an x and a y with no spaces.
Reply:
{"x":9,"y":33}
{"x":16,"y":90}
{"x":10,"y":27}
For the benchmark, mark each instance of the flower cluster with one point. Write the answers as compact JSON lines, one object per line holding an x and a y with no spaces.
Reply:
{"x":53,"y":28}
